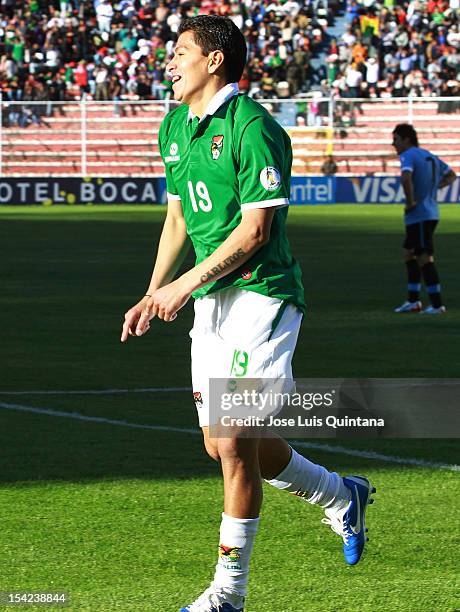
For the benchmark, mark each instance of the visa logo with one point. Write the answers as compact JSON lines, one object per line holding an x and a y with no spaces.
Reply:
{"x":388,"y":190}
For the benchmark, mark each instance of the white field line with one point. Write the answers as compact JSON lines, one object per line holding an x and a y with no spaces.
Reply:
{"x":82,"y":417}
{"x":339,"y":450}
{"x":100,"y":391}
{"x":342,"y":450}
{"x":394,"y":384}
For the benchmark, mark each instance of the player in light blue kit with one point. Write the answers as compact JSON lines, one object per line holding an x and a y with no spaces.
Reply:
{"x":422,"y":174}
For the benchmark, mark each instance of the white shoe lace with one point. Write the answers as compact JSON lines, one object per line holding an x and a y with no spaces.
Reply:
{"x":335,"y":522}
{"x":211,"y":598}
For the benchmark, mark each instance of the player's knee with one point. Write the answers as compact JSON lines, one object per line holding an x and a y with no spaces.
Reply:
{"x":227,"y":449}
{"x":210,"y":444}
{"x":408,"y":255}
{"x":424,"y":258}
{"x":211,"y":449}
{"x":236,"y":449}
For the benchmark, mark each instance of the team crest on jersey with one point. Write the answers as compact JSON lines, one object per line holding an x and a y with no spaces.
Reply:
{"x":270,"y":178}
{"x":217,"y":146}
{"x":198,"y":398}
{"x":246,"y":274}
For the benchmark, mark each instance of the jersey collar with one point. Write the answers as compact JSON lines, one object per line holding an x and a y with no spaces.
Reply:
{"x":224,"y":94}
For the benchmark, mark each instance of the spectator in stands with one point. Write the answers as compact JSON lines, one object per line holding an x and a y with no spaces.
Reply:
{"x":358,"y":53}
{"x":406,"y":39}
{"x":267,"y":85}
{"x":329,"y":166}
{"x":114,"y":91}
{"x":104,"y":12}
{"x":302,"y":59}
{"x":57,"y":92}
{"x":101,"y":74}
{"x":332,"y":67}
{"x":353,"y":79}
{"x":314,"y":116}
{"x":41,"y":95}
{"x":372,"y":72}
{"x":32,"y":113}
{"x":293,"y":76}
{"x":81,"y":77}
{"x":93,"y":30}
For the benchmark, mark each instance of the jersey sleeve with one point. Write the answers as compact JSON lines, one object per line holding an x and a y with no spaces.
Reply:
{"x":407,"y":162}
{"x":265,"y":159}
{"x":172,"y":193}
{"x":443,"y":168}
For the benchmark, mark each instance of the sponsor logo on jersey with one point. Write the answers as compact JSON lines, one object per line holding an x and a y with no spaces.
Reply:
{"x":270,"y":178}
{"x":173,"y":149}
{"x":216,"y":146}
{"x":197,"y":397}
{"x":246,"y":274}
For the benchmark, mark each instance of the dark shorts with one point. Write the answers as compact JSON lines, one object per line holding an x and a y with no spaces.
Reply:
{"x":419,"y":237}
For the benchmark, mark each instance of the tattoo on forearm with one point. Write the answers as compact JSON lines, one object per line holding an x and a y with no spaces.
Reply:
{"x":213,"y":272}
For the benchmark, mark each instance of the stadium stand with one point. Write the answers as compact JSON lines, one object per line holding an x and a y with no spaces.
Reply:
{"x":109,"y":50}
{"x":127,"y":145}
{"x":310,"y":59}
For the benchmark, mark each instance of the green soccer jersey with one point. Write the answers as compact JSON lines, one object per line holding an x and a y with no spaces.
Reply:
{"x":236,"y":158}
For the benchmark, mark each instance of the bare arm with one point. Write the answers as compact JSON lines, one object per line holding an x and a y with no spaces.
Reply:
{"x":447,"y":179}
{"x":245,"y":240}
{"x":172,"y":249}
{"x":408,"y":188}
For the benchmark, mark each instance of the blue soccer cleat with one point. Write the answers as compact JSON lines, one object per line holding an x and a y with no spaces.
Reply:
{"x":216,"y":600}
{"x":431,"y":310}
{"x":350,"y":522}
{"x":409,"y":307}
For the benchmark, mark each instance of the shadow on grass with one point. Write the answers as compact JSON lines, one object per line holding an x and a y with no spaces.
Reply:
{"x":38,"y":448}
{"x":65,"y":289}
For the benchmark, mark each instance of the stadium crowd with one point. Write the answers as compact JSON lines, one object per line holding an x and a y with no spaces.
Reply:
{"x":398,"y":49}
{"x":115,"y":50}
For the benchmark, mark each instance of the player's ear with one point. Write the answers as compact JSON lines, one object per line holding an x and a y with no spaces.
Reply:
{"x":215,"y":61}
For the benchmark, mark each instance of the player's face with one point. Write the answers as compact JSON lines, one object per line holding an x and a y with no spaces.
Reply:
{"x":189,"y":70}
{"x":400,"y":144}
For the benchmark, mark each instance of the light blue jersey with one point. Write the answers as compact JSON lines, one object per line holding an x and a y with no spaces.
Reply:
{"x":427,"y":171}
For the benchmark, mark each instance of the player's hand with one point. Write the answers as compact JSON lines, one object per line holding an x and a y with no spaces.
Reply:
{"x":167,"y":300}
{"x":132,"y":318}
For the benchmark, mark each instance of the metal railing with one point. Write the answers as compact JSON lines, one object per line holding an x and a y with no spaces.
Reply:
{"x":119,"y":137}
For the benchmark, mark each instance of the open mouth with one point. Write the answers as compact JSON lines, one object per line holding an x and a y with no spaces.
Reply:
{"x":175,"y":79}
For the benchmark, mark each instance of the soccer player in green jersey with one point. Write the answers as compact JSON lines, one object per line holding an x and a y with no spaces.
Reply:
{"x":228,"y":167}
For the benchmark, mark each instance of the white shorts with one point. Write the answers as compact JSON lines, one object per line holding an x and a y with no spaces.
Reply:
{"x":240,"y":333}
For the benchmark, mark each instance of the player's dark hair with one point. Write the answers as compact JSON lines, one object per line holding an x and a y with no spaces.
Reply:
{"x":214,"y":33}
{"x":405,"y":130}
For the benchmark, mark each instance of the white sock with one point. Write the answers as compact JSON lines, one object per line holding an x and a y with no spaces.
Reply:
{"x":313,"y":483}
{"x":235,"y":548}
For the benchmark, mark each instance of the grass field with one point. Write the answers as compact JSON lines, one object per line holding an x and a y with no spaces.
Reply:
{"x":126,"y":518}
